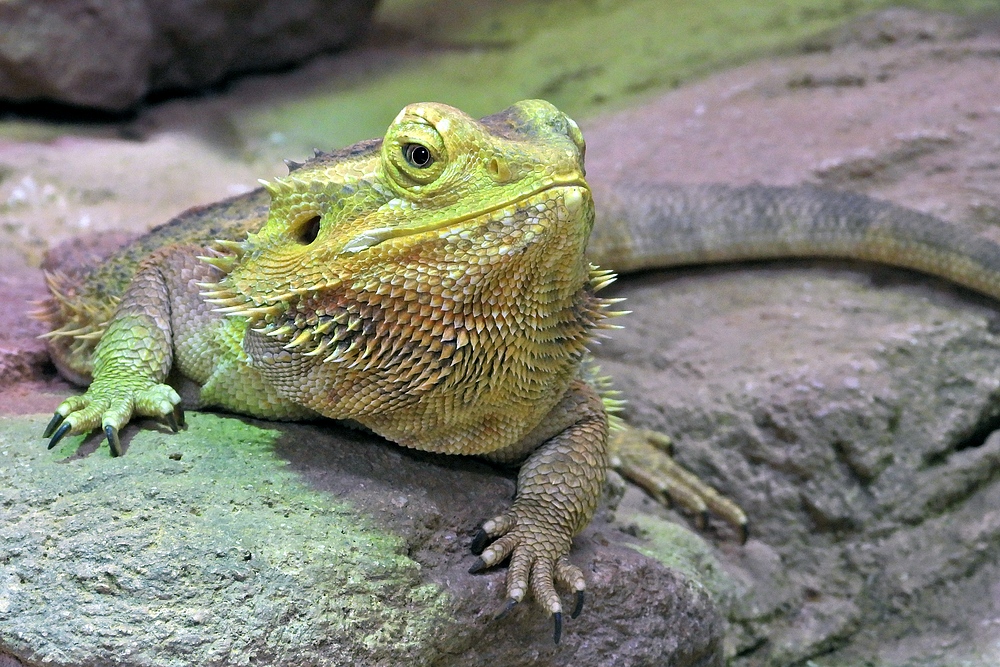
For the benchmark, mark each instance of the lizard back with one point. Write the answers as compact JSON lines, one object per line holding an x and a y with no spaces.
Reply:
{"x":84,"y":298}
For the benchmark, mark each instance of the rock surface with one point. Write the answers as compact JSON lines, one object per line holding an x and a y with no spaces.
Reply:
{"x":110,"y":55}
{"x":848,"y":408}
{"x":848,"y":415}
{"x":254,"y":543}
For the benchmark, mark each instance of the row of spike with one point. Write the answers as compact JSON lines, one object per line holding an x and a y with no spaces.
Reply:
{"x":280,"y":186}
{"x":288,"y":184}
{"x":614,"y":404}
{"x":379,"y":350}
{"x":81,"y":319}
{"x":599,"y":279}
{"x":224,"y":255}
{"x":294,"y":166}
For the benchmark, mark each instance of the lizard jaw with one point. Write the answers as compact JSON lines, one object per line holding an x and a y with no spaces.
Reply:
{"x":573,"y":200}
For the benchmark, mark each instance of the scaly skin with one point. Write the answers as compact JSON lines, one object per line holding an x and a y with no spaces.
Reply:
{"x":658,"y":226}
{"x":645,"y":226}
{"x":445,"y":304}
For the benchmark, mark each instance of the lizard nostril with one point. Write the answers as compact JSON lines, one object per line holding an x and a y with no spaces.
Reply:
{"x":498,"y":169}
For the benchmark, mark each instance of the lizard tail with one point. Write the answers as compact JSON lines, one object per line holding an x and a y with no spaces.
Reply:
{"x":656,"y":226}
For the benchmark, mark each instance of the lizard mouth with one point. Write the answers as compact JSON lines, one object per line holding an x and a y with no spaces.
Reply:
{"x":572,"y":200}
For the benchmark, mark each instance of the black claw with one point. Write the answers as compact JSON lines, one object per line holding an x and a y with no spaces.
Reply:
{"x":179,"y":413}
{"x":172,"y":422}
{"x":478,"y":566}
{"x":744,"y":533}
{"x":667,"y":501}
{"x":479,"y":541}
{"x":53,"y":425}
{"x":557,"y":633}
{"x":511,"y":603}
{"x":113,"y":442}
{"x":58,"y":435}
{"x":578,"y":607}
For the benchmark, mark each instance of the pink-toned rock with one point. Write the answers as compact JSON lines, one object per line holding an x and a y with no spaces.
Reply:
{"x":914,"y":120}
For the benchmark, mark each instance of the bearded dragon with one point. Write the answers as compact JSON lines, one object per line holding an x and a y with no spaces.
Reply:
{"x":435,"y":287}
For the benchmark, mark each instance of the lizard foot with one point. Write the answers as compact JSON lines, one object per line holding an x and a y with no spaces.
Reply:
{"x":111,"y":407}
{"x":538,"y":561}
{"x":644,"y":457}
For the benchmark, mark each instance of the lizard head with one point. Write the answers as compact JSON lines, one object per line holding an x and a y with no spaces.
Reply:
{"x":441,"y":197}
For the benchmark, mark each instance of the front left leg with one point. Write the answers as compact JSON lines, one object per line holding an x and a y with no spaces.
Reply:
{"x":558,"y":489}
{"x":644,"y":457}
{"x":131,"y":363}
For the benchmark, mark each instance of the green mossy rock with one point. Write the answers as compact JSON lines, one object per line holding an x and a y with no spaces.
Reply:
{"x":237,"y":542}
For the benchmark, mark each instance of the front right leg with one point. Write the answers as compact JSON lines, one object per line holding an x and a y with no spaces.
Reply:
{"x":558,"y":487}
{"x":130,"y":363}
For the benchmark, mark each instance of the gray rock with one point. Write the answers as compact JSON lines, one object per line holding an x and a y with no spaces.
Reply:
{"x":848,"y":411}
{"x":109,"y":55}
{"x":239,"y":542}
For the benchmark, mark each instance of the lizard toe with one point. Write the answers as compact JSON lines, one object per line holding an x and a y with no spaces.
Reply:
{"x":59,"y":434}
{"x":479,"y":540}
{"x":158,"y":401}
{"x":538,"y":564}
{"x":54,"y":423}
{"x":543,"y":585}
{"x":571,"y":577}
{"x":643,"y":456}
{"x":499,"y":550}
{"x":75,"y":415}
{"x":114,"y":444}
{"x":110,"y":407}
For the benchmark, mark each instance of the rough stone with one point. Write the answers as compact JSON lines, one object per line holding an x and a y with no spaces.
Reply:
{"x":109,"y":55}
{"x":22,"y":355}
{"x":850,"y":416}
{"x":240,"y":542}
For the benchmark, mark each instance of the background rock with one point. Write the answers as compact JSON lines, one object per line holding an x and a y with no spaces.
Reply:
{"x":849,"y":409}
{"x":849,"y":417}
{"x":109,"y":55}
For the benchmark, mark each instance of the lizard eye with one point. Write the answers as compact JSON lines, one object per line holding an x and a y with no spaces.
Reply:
{"x":414,"y":153}
{"x":418,"y":155}
{"x":309,"y":230}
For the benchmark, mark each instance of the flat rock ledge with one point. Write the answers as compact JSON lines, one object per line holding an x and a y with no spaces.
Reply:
{"x":237,"y":542}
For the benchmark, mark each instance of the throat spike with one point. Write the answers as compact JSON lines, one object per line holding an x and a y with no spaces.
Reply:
{"x":299,"y":340}
{"x":281,"y":331}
